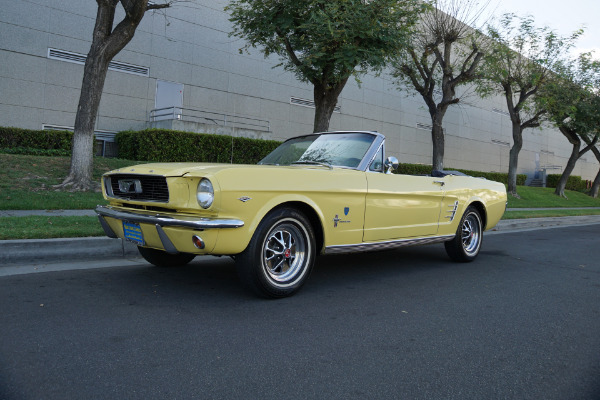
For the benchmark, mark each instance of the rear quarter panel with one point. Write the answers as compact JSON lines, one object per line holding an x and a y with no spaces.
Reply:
{"x":467,"y":191}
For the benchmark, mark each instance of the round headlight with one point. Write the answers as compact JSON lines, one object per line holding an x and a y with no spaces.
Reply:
{"x":205,"y":193}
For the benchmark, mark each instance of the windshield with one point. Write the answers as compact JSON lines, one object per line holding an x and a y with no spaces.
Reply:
{"x":334,"y":149}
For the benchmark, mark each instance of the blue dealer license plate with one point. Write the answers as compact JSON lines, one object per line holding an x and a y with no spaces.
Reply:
{"x":133,"y":232}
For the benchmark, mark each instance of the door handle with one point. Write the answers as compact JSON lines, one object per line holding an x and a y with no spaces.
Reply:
{"x":441,"y":183}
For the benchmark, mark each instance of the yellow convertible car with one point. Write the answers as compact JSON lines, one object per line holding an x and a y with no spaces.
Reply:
{"x":322,"y":193}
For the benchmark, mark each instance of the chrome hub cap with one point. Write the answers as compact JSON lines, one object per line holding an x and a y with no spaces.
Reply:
{"x":471,"y":233}
{"x":284,"y":252}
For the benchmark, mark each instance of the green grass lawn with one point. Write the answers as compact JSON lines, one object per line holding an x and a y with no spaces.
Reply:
{"x":547,"y":213}
{"x":42,"y":227}
{"x":26,"y":183}
{"x":532,"y":197}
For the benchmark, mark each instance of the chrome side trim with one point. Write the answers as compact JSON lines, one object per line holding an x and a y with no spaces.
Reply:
{"x":388,"y":245}
{"x":169,"y":220}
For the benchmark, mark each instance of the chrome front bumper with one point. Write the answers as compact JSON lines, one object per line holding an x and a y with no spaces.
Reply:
{"x":161,"y":220}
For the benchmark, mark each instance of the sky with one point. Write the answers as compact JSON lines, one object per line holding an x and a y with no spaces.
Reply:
{"x":563,"y":16}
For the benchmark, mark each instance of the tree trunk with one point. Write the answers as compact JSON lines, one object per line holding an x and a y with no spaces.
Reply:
{"x":437,"y":139}
{"x":80,"y":176}
{"x":325,"y":98}
{"x":108,"y":40}
{"x":595,"y":186}
{"x":562,"y":182}
{"x":576,"y":154}
{"x":324,"y":107}
{"x":513,"y":161}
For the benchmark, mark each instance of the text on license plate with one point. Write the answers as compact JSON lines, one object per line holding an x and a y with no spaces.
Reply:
{"x":133,"y":232}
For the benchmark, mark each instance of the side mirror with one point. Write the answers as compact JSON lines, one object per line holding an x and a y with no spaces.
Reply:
{"x":391,"y":164}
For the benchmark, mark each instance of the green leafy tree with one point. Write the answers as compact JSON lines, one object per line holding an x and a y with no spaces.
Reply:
{"x":108,"y":39}
{"x":442,"y":55}
{"x":572,"y":104}
{"x":325,"y":42}
{"x":518,"y":64}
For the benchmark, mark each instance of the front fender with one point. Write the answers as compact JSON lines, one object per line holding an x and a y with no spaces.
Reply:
{"x":334,"y":196}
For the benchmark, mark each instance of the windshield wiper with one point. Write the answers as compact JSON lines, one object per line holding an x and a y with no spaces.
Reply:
{"x":307,"y":162}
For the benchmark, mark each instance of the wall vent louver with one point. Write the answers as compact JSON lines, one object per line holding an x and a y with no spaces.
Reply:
{"x":426,"y":127}
{"x":500,"y":142}
{"x":62,"y":55}
{"x":309,"y":103}
{"x":48,"y":127}
{"x":108,"y":136}
{"x":501,"y":112}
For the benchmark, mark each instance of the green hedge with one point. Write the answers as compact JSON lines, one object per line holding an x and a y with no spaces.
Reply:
{"x":413,"y":169}
{"x":11,"y":138}
{"x":573,"y":183}
{"x":501,"y":177}
{"x":420,"y":169}
{"x":166,"y":145}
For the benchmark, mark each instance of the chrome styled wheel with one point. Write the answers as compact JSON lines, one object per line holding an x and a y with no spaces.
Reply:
{"x":471,"y":233}
{"x":280,"y":255}
{"x":467,"y":242}
{"x":284,"y":252}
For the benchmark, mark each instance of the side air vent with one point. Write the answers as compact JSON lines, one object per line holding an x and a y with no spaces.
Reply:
{"x":62,"y":55}
{"x":297,"y":101}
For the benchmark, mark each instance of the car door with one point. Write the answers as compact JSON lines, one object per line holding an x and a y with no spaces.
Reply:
{"x":401,"y":206}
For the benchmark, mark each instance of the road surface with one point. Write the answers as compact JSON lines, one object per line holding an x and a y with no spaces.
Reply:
{"x":521,"y":322}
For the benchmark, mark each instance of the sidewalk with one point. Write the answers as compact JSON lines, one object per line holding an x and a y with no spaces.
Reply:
{"x":98,"y":248}
{"x":47,"y":213}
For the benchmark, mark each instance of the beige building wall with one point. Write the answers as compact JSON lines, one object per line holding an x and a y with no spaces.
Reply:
{"x":189,"y":44}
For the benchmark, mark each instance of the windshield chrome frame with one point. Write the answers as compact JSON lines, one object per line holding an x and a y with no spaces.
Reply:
{"x":382,"y":147}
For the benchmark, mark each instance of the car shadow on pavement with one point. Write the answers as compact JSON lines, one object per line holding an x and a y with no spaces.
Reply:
{"x":213,"y":279}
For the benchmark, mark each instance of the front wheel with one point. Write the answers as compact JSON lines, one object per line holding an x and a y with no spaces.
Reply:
{"x":161,"y":258}
{"x":467,"y":242}
{"x":280,"y":255}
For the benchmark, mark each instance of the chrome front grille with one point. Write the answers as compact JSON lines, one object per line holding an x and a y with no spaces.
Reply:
{"x":138,"y":187}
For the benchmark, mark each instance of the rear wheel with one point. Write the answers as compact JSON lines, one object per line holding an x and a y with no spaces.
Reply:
{"x":467,"y":242}
{"x":280,"y":255}
{"x":161,"y":258}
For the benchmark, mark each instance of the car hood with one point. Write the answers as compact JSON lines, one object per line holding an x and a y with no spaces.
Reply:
{"x":195,"y":169}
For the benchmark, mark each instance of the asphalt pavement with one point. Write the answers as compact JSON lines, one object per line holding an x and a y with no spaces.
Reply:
{"x":520,"y":322}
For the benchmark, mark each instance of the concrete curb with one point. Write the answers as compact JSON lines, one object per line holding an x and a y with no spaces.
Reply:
{"x":59,"y":250}
{"x":99,"y":248}
{"x":512,"y":225}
